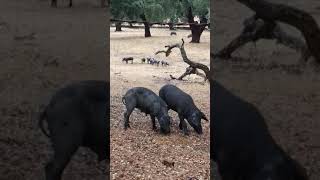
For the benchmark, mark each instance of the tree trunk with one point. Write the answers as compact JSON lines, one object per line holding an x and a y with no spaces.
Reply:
{"x":103,"y":3}
{"x":196,"y":29}
{"x":292,"y":16}
{"x":70,"y":3}
{"x":171,"y":27}
{"x":54,"y":3}
{"x":118,"y":26}
{"x":147,"y":29}
{"x":146,"y":26}
{"x":196,"y":32}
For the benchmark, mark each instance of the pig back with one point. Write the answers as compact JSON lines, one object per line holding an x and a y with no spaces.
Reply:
{"x":149,"y":103}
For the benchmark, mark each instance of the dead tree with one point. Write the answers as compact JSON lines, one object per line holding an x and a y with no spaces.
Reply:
{"x":292,"y":16}
{"x":193,"y":66}
{"x":256,"y":28}
{"x":304,"y":22}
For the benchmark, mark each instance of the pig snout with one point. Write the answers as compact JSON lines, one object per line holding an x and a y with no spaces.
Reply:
{"x":197,"y":127}
{"x":165,"y":130}
{"x":164,"y":125}
{"x":195,"y":122}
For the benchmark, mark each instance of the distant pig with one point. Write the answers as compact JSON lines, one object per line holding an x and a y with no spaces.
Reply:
{"x":173,"y":33}
{"x":148,"y":102}
{"x":126,"y":59}
{"x":183,"y":104}
{"x":164,"y":63}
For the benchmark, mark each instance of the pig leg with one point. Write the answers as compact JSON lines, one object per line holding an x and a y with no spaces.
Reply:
{"x":65,"y":141}
{"x":154,"y":127}
{"x":62,"y":156}
{"x":130,"y":107}
{"x":70,"y":3}
{"x":183,"y":125}
{"x":226,"y":175}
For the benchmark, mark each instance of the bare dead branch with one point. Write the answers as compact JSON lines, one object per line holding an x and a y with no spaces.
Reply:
{"x":169,"y":48}
{"x":193,"y":66}
{"x":256,"y":29}
{"x":297,"y":18}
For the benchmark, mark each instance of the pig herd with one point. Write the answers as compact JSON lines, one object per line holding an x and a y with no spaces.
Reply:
{"x":241,"y":144}
{"x":148,"y":60}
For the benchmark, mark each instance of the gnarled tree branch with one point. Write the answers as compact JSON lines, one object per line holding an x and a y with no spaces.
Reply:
{"x":255,"y":29}
{"x":193,"y":66}
{"x":283,"y":13}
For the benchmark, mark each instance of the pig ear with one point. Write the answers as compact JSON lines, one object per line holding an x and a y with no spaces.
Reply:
{"x":203,"y":116}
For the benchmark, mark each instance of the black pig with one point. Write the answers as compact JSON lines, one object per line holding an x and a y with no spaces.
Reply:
{"x":241,"y":143}
{"x":148,"y":102}
{"x":164,"y":63}
{"x":173,"y":33}
{"x":183,"y":104}
{"x":126,"y":59}
{"x":77,"y":115}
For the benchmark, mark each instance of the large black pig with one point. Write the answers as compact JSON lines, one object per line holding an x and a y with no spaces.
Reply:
{"x":149,"y":103}
{"x":241,"y":143}
{"x":183,"y":104}
{"x":77,"y":115}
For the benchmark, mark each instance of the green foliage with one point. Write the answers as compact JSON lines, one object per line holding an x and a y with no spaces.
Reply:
{"x":201,"y":8}
{"x":158,"y":10}
{"x":133,"y":9}
{"x":119,"y":8}
{"x":174,"y":10}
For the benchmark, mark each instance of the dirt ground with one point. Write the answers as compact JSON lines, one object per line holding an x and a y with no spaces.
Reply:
{"x":139,"y":152}
{"x":287,"y":96}
{"x":42,"y":49}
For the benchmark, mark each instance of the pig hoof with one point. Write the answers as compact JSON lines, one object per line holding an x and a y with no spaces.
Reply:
{"x":185,"y":132}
